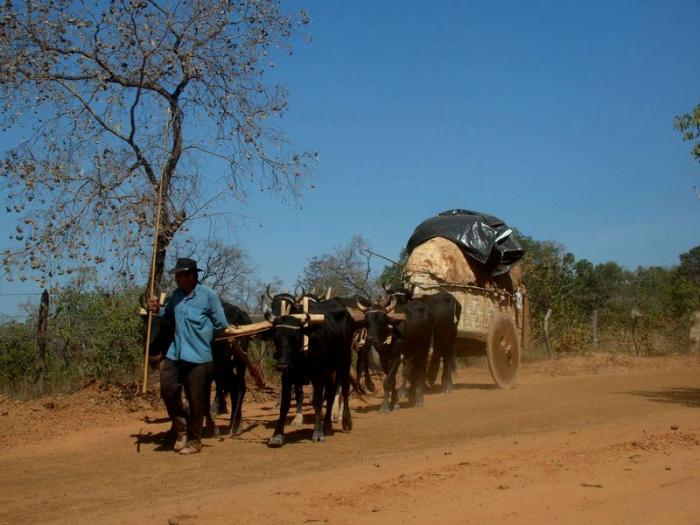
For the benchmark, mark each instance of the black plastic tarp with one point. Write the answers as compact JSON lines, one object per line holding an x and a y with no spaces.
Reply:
{"x":483,"y":237}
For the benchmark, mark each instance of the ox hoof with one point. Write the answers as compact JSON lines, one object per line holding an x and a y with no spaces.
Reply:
{"x":211,"y":430}
{"x":318,"y":436}
{"x":448,"y":389}
{"x":384,"y":409}
{"x":298,"y":420}
{"x":276,"y":441}
{"x":347,"y":424}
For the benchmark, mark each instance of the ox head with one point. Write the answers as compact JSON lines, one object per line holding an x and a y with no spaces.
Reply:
{"x":381,"y":321}
{"x":400,"y":293}
{"x":287,"y":334}
{"x":291,"y":301}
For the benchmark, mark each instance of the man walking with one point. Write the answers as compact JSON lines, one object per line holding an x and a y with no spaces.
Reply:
{"x":196,"y":313}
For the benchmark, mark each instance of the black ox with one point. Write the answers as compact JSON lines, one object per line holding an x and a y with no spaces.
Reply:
{"x":281,"y":304}
{"x":325,"y":363}
{"x":444,"y":311}
{"x":400,"y":333}
{"x":403,"y":331}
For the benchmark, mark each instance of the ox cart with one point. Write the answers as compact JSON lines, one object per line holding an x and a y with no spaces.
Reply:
{"x":474,"y":256}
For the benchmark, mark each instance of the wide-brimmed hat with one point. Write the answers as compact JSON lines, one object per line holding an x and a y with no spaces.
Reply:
{"x":185,"y":265}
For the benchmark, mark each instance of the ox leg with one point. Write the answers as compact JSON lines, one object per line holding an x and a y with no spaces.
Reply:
{"x":209,"y":423}
{"x":448,"y":367}
{"x":390,"y":386}
{"x":238,"y":390}
{"x":337,"y":401}
{"x":443,"y":347}
{"x":277,"y":439}
{"x":405,"y":376}
{"x":299,"y":397}
{"x":359,"y":368}
{"x":219,"y":399}
{"x":331,"y":393}
{"x":434,"y":366}
{"x":368,"y":377}
{"x":317,"y":401}
{"x":347,"y":416}
{"x":418,"y":383}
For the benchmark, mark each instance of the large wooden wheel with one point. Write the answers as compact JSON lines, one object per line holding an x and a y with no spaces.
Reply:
{"x":503,"y":350}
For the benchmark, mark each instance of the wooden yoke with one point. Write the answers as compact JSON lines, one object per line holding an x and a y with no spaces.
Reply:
{"x":357,"y":315}
{"x":233,"y":332}
{"x":305,"y":308}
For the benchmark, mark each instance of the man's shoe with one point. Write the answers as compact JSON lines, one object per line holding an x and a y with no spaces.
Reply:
{"x":193,"y":447}
{"x":180,"y":441}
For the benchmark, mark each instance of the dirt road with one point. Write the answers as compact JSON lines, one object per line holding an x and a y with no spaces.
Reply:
{"x":617,"y":444}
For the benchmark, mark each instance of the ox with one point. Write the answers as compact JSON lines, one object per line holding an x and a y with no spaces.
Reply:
{"x":325,"y":363}
{"x":404,"y":336}
{"x":291,"y":304}
{"x":230,"y":369}
{"x":445,"y":311}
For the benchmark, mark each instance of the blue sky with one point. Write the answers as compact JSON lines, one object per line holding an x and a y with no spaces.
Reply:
{"x":555,"y":116}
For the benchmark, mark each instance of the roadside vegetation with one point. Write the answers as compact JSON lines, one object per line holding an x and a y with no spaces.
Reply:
{"x":95,"y":332}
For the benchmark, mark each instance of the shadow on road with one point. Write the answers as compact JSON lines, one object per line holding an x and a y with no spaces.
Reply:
{"x":689,"y":397}
{"x":164,"y":441}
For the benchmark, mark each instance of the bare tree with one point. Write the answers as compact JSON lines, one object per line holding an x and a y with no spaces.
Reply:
{"x":114,"y":97}
{"x":347,"y":270}
{"x":225,"y":267}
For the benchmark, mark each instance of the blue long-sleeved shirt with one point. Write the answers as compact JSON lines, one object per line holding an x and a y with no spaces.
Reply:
{"x":196,"y":317}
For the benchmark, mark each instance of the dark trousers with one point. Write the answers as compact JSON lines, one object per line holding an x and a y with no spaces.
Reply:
{"x":196,"y":379}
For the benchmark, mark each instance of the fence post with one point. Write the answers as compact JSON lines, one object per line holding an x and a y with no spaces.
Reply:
{"x":594,"y":327}
{"x":40,"y":363}
{"x":546,"y":332}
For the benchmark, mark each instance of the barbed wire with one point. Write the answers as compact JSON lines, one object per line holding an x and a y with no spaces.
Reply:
{"x":18,"y":294}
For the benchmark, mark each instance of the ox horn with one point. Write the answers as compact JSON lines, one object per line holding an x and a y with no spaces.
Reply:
{"x":269,"y":316}
{"x":392,"y":304}
{"x":299,"y":297}
{"x":267,"y":292}
{"x":329,"y":293}
{"x":361,"y":307}
{"x":386,"y":300}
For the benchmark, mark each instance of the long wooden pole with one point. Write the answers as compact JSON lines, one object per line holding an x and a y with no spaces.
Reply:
{"x":151,"y":285}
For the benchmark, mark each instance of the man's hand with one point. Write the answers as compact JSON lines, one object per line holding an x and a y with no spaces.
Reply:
{"x":153,"y":305}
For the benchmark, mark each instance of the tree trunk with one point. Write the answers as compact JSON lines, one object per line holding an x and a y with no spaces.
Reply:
{"x":40,"y":364}
{"x":526,"y":331}
{"x":594,"y":327}
{"x":547,"y":343}
{"x":163,"y":243}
